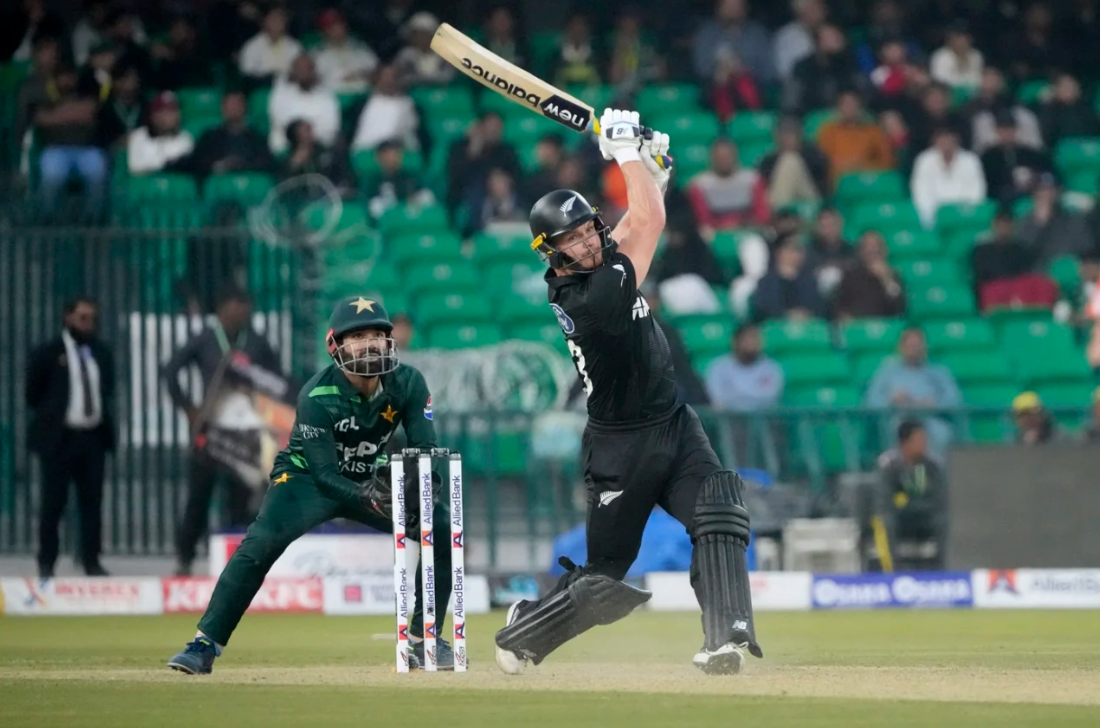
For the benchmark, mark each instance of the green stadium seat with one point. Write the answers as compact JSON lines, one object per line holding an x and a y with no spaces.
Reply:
{"x":198,"y":124}
{"x":598,"y":97}
{"x":465,"y":336}
{"x":440,"y":276}
{"x":751,"y":155}
{"x":976,"y":218}
{"x":547,"y":333}
{"x":860,"y":336}
{"x":1039,"y":366}
{"x":864,"y":366}
{"x":868,"y":187}
{"x":940,"y":302}
{"x":928,"y":272}
{"x":349,"y":216}
{"x":815,"y":369}
{"x":977,"y":367}
{"x":517,"y":310}
{"x":527,"y":129}
{"x":459,"y":307}
{"x":959,"y":245}
{"x":1066,"y":394}
{"x":491,"y":247}
{"x":1066,"y":272}
{"x":657,"y":99}
{"x":451,"y":100}
{"x":1085,"y":181}
{"x":751,"y":127}
{"x":365,"y":164}
{"x":413,"y":219}
{"x":836,"y":442}
{"x":411,"y":248}
{"x":161,"y":187}
{"x":519,"y":277}
{"x":687,"y":127}
{"x":248,"y":189}
{"x":972,"y":333}
{"x":783,"y":336}
{"x":1031,"y":93}
{"x":691,"y":159}
{"x":885,"y":217}
{"x":707,"y":334}
{"x":257,"y":109}
{"x":831,"y":396}
{"x":1077,"y":154}
{"x":446,"y":128}
{"x":912,"y":245}
{"x":200,"y":101}
{"x":1046,"y":335}
{"x":727,"y":245}
{"x":989,"y":395}
{"x":813,"y":122}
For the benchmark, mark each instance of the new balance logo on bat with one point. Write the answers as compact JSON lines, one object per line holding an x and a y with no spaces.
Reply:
{"x":641,"y":309}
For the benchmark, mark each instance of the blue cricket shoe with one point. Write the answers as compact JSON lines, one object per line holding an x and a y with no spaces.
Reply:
{"x":444,"y":655}
{"x":197,"y":658}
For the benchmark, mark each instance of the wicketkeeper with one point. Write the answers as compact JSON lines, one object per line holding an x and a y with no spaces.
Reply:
{"x":335,"y":466}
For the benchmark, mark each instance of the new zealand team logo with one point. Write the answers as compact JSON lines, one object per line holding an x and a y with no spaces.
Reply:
{"x":457,"y":539}
{"x":564,"y":321}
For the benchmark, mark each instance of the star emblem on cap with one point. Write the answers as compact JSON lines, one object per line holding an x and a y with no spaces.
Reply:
{"x":362,"y":304}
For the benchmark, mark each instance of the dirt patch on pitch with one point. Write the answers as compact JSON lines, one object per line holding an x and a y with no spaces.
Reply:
{"x":955,"y":684}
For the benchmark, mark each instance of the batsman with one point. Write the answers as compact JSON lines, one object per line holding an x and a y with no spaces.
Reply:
{"x":335,"y":466}
{"x":642,"y":447}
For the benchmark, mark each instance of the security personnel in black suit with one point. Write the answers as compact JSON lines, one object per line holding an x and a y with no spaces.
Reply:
{"x":70,"y":383}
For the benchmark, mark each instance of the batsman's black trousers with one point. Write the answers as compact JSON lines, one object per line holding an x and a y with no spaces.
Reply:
{"x":629,"y":469}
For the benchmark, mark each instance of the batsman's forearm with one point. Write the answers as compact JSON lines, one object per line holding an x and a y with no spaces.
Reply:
{"x":645,"y":203}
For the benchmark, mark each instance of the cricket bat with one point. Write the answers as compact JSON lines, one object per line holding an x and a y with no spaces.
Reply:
{"x":517,"y":85}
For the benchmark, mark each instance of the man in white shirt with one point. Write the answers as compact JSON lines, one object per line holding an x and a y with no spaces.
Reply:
{"x":795,"y":40}
{"x":344,"y":64}
{"x":162,"y":146}
{"x":944,"y":174}
{"x":301,"y":97}
{"x":70,"y":383}
{"x":417,"y":63}
{"x":389,"y":114}
{"x":271,"y":51}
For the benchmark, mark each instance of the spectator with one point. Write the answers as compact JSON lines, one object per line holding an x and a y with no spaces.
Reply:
{"x":789,"y":289}
{"x":686,"y":270}
{"x":499,"y":203}
{"x":829,"y":254}
{"x":120,"y":114}
{"x":797,"y":171}
{"x":345,"y":65}
{"x":912,"y":496}
{"x":958,"y":64}
{"x":1066,"y":114}
{"x":300,"y":96}
{"x":232,"y":334}
{"x":727,"y":195}
{"x":852,"y":142}
{"x":634,"y":59}
{"x":470,"y":159}
{"x":577,"y":63}
{"x":35,"y":90}
{"x":944,"y":174}
{"x":125,"y":32}
{"x":64,"y":124}
{"x":389,"y":114}
{"x":163,"y":145}
{"x":417,"y":64}
{"x":234,"y":146}
{"x":1003,"y":256}
{"x":1092,"y":431}
{"x":992,"y":103}
{"x":70,"y":388}
{"x":94,"y":80}
{"x":818,"y":80}
{"x":935,"y":112}
{"x":182,"y":60}
{"x":890,"y":77}
{"x":746,"y":380}
{"x":1034,"y":425}
{"x":733,"y":88}
{"x":731,"y":31}
{"x":795,"y":40}
{"x":501,"y":37}
{"x":1011,"y":168}
{"x":90,"y":31}
{"x":910,"y":381}
{"x":392,"y":184}
{"x":549,"y":154}
{"x":1033,"y":51}
{"x":870,"y":288}
{"x":1049,"y":230}
{"x":309,"y":155}
{"x":230,"y":24}
{"x":271,"y":52}
{"x":21,"y":28}
{"x":403,"y":332}
{"x":888,"y":22}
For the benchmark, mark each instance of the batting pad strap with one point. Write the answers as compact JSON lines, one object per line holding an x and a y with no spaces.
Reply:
{"x":588,"y":601}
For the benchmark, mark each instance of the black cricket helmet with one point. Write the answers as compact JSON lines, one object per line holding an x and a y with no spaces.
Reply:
{"x":558,"y":212}
{"x":365,"y":358}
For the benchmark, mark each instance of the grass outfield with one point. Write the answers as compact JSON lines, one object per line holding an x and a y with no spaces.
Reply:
{"x":822,"y":670}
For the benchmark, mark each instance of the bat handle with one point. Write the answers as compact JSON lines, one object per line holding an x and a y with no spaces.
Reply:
{"x":663,"y":160}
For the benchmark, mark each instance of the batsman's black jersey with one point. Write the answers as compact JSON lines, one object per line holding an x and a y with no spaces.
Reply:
{"x":620,"y":352}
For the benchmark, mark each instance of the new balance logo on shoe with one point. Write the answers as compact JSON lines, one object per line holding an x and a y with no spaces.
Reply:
{"x":609,"y":495}
{"x":641,"y":309}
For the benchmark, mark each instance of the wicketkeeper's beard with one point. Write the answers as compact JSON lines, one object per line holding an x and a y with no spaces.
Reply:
{"x":368,"y":361}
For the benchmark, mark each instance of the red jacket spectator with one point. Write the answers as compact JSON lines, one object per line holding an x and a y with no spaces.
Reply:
{"x":727,"y":195}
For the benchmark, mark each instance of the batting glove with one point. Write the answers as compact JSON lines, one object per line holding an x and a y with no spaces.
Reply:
{"x":620,"y":136}
{"x":654,"y":151}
